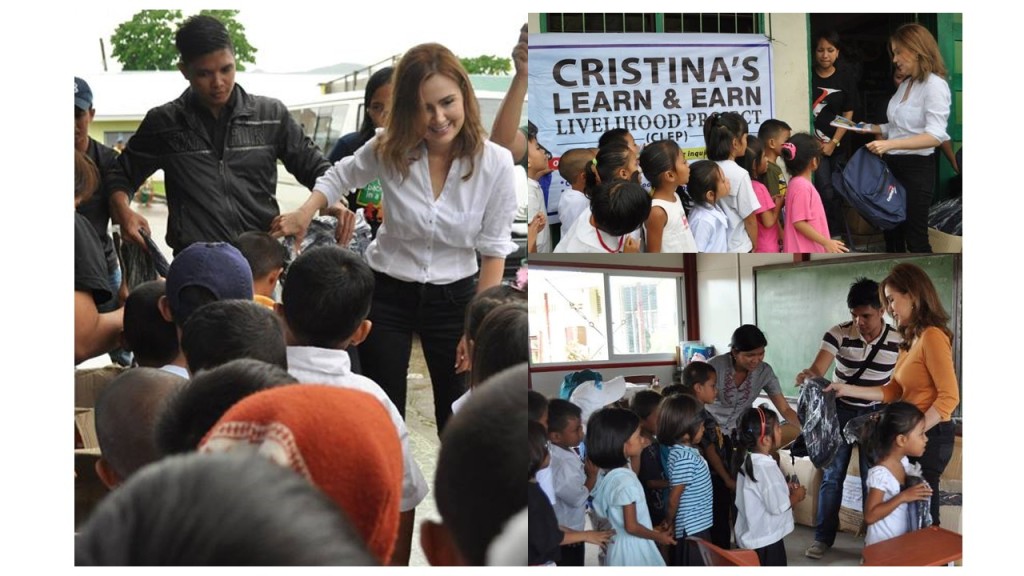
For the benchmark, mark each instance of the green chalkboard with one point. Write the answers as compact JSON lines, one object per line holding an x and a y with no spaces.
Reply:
{"x":797,"y":303}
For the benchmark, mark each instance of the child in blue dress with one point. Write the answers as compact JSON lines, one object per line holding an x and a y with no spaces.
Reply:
{"x":613,"y":437}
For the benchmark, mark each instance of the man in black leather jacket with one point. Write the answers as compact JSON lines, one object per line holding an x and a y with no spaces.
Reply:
{"x":218,"y":145}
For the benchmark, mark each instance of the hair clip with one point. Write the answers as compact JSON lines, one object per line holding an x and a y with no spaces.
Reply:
{"x":520,"y":283}
{"x":594,"y":161}
{"x":791,"y":148}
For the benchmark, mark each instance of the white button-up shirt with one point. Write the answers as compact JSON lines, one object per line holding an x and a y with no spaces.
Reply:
{"x":427,"y":240}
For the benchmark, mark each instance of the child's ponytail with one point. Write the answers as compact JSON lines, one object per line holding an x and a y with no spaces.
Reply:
{"x":799,"y":151}
{"x":606,"y":162}
{"x":880,"y":431}
{"x":755,"y":424}
{"x":720,"y":129}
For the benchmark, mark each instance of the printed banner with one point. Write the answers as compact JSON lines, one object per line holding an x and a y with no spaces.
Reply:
{"x":657,"y":86}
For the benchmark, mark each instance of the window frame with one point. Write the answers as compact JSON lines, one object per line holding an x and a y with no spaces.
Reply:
{"x":623,"y":272}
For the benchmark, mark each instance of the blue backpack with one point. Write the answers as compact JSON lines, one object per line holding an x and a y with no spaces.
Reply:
{"x":867,"y":184}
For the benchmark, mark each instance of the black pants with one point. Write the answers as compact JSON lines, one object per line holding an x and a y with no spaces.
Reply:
{"x":573,"y":555}
{"x":937,"y":455}
{"x":830,"y":199}
{"x":686,"y":553}
{"x":917,"y":174}
{"x":721,"y":506}
{"x":437,"y":314}
{"x":772,"y":554}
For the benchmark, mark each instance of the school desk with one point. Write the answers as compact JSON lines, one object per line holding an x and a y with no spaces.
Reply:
{"x":932,"y":546}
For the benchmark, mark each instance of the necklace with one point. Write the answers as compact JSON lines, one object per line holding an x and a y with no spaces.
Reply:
{"x":605,"y":246}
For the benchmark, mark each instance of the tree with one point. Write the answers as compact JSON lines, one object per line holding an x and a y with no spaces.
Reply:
{"x":146,"y":42}
{"x":487,"y":64}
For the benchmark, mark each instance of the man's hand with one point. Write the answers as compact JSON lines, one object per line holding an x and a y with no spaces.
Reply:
{"x":520,"y":54}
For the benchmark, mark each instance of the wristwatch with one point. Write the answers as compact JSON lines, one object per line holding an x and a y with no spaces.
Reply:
{"x":836,"y":142}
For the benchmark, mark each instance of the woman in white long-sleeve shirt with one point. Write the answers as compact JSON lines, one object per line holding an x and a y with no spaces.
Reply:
{"x":917,"y":113}
{"x":448,"y":193}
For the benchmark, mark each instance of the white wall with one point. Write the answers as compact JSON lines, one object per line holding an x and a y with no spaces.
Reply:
{"x":789,"y":33}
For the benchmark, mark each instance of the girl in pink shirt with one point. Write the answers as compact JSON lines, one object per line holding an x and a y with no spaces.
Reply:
{"x":756,"y":164}
{"x":806,"y":229}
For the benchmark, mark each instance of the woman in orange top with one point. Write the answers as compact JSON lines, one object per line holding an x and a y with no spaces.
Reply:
{"x":924,"y":375}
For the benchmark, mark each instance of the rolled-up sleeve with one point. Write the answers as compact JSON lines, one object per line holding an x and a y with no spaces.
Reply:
{"x":353,"y":171}
{"x":936,"y":108}
{"x":495,"y":238}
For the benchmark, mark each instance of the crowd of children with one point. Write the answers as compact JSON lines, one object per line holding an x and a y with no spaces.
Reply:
{"x":656,"y":473}
{"x":750,"y":203}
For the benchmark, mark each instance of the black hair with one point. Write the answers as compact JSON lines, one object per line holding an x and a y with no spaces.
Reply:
{"x":620,"y":206}
{"x":681,"y":419}
{"x":697,"y":372}
{"x":126,"y":414}
{"x":830,"y":36}
{"x":226,"y":330}
{"x":880,"y":432}
{"x":503,"y":340}
{"x":772,"y":128}
{"x":327,"y":296}
{"x":200,"y":35}
{"x":752,"y":157}
{"x":748,"y":434}
{"x":484,"y":302}
{"x":720,"y":129}
{"x":263,"y":252}
{"x":537,"y":438}
{"x":193,"y":410}
{"x":560,"y":412}
{"x":190,"y":298}
{"x":614,"y":136}
{"x":531,"y":130}
{"x":704,"y":177}
{"x":672,"y":389}
{"x":863,"y":292}
{"x":798,"y":157}
{"x":538,"y":405}
{"x":152,"y":340}
{"x":746,"y":338}
{"x":218,"y":510}
{"x":644,"y":402}
{"x":478,"y":486}
{"x":608,"y":160}
{"x":608,"y":430}
{"x":378,"y":79}
{"x":658,"y":158}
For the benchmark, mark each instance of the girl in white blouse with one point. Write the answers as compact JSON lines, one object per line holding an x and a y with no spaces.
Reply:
{"x":918,"y":114}
{"x":448,"y":194}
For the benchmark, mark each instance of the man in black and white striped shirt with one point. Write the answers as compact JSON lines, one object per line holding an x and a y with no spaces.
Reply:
{"x":865,"y":351}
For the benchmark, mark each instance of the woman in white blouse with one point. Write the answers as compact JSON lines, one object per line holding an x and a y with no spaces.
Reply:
{"x":917,"y":114}
{"x":448,"y":193}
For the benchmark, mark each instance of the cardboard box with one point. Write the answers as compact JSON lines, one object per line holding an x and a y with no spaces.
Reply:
{"x":806,"y":511}
{"x":852,"y":495}
{"x":942,"y":242}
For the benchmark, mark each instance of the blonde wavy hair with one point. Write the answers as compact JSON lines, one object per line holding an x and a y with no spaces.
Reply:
{"x":405,"y":128}
{"x":919,"y":40}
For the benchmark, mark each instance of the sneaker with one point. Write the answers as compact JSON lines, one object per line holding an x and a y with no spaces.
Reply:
{"x":816,"y":550}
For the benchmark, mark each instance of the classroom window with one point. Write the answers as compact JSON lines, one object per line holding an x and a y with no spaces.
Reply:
{"x":584,"y":317}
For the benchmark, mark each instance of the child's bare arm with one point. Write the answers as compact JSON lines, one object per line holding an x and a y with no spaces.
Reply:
{"x":655,"y":228}
{"x":639,"y":530}
{"x":875,"y":509}
{"x":674,"y":494}
{"x":830,"y":245}
{"x":750,"y":224}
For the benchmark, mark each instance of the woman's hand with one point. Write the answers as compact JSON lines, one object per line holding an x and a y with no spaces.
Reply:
{"x":462,"y":361}
{"x":829,"y":148}
{"x":839,"y":388}
{"x":346,"y":223}
{"x":291,"y":224}
{"x":880,"y":146}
